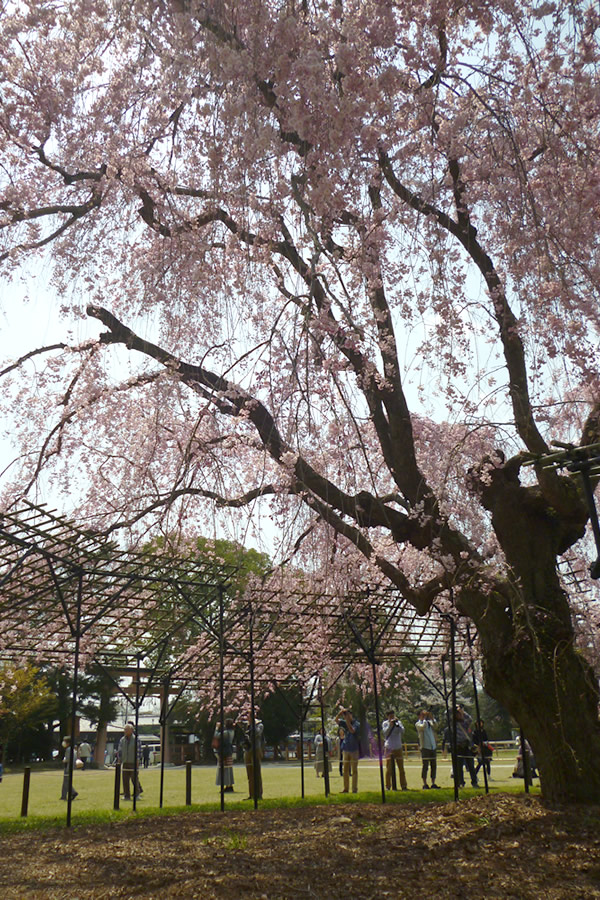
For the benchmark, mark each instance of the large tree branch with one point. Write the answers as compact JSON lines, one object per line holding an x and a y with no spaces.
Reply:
{"x":366,"y":510}
{"x":421,"y":598}
{"x":70,"y":177}
{"x":37,"y":245}
{"x":169,"y":497}
{"x":16,"y":215}
{"x":514,"y":353}
{"x":386,"y":401}
{"x":395,"y":432}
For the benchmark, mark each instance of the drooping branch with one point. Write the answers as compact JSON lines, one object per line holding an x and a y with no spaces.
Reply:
{"x":15,"y":214}
{"x":169,"y":497}
{"x":37,"y":352}
{"x":265,"y":88}
{"x":48,"y":239}
{"x":420,"y":598}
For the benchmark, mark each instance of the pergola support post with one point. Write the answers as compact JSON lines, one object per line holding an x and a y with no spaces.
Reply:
{"x":75,"y":689}
{"x":255,"y":773}
{"x":136,"y":764}
{"x":456,"y":768}
{"x":302,"y":739}
{"x":164,"y":716}
{"x":325,"y":741}
{"x":221,"y":757}
{"x":377,"y":714}
{"x":477,"y":712}
{"x":25,"y":794}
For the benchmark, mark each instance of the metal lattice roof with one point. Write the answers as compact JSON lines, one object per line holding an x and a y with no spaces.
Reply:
{"x":57,"y":580}
{"x":164,"y":612}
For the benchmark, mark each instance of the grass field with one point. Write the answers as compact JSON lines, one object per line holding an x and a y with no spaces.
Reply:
{"x":280,"y":782}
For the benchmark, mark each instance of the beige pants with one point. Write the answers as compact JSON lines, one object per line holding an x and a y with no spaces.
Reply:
{"x":128,"y":773}
{"x":249,"y":760}
{"x":351,"y":762}
{"x":395,"y":757}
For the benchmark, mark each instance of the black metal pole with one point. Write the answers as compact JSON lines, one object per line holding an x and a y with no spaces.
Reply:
{"x":25,"y":796}
{"x":117,"y":786}
{"x":324,"y":735}
{"x":252,"y":713}
{"x":164,"y":715}
{"x":376,"y":698}
{"x":188,"y":782}
{"x":135,"y":734}
{"x":455,"y":763}
{"x":477,"y":713}
{"x":302,"y":738}
{"x":74,"y":705}
{"x":448,"y":719}
{"x":525,"y":759}
{"x":221,"y":759}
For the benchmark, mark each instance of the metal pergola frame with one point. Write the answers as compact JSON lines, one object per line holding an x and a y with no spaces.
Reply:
{"x":69,"y":594}
{"x":155,"y":615}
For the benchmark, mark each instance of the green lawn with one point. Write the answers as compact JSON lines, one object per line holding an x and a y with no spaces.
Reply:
{"x":281,"y":783}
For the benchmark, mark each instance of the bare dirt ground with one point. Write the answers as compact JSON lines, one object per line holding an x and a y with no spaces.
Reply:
{"x":486,"y":847}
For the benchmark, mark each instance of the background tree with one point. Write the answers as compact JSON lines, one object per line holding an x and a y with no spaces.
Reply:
{"x":192,"y":716}
{"x":197,"y":710}
{"x":99,"y":704}
{"x":96,"y":700}
{"x":26,"y":702}
{"x":60,"y":682}
{"x":280,"y":714}
{"x":498,"y":722}
{"x":347,"y":253}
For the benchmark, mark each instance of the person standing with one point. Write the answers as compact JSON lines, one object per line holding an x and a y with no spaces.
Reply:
{"x":351,"y":728}
{"x":223,"y":747}
{"x":483,"y":748}
{"x":85,"y":752}
{"x":146,"y":755}
{"x":341,"y":736}
{"x":393,"y":731}
{"x":464,"y":748}
{"x":322,"y":748}
{"x":127,"y":755}
{"x":253,"y":751}
{"x":67,"y":767}
{"x":425,"y":726}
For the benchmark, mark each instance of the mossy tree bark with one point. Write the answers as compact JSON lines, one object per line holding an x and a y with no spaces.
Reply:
{"x":531,"y":662}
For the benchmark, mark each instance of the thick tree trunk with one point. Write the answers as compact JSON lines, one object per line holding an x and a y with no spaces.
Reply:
{"x":553,"y":695}
{"x":100,"y":747}
{"x":530,"y":661}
